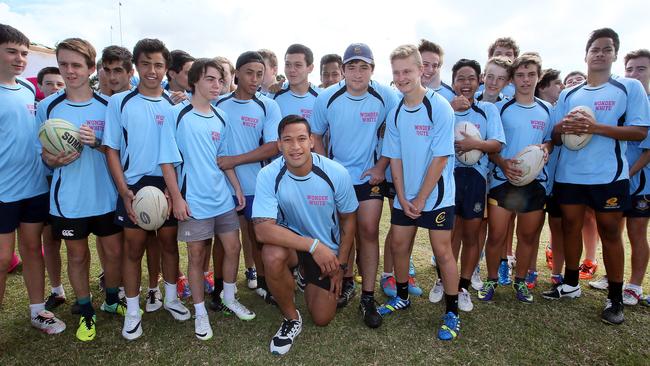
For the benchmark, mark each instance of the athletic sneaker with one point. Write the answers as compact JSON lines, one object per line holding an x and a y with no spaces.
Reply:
{"x":477,"y":283}
{"x":153,"y":301}
{"x":437,"y":291}
{"x":347,"y":293}
{"x":177,"y":310}
{"x":183,"y":288}
{"x":450,"y":327}
{"x":251,"y":278}
{"x":371,"y":316}
{"x":512,"y":262}
{"x":522,"y":293}
{"x":389,"y":286}
{"x":433,"y":260}
{"x":465,"y":301}
{"x":47,"y":323}
{"x":531,"y":279}
{"x":300,"y":281}
{"x":588,"y":269}
{"x":53,"y":301}
{"x":504,"y":274}
{"x":268,"y":298}
{"x":132,"y":328}
{"x":612,"y":313}
{"x":215,"y":304}
{"x":283,"y":339}
{"x":487,"y":291}
{"x":202,"y":328}
{"x":238,"y":309}
{"x":559,"y":291}
{"x":117,"y":308}
{"x":411,"y":267}
{"x":600,"y":284}
{"x":86,"y":331}
{"x":630,"y":296}
{"x":549,"y":256}
{"x":208,"y":282}
{"x":14,"y":264}
{"x":392,"y":305}
{"x":646,"y":301}
{"x":414,"y":289}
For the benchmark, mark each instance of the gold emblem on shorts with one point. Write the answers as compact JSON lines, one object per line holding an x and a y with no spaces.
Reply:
{"x":440,"y":219}
{"x":612,"y":203}
{"x":375,"y":191}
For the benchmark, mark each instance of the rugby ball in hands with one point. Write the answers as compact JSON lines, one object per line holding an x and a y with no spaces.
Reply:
{"x":468,"y":157}
{"x":577,"y":142}
{"x":58,"y":135}
{"x":150,"y":206}
{"x":530,"y":161}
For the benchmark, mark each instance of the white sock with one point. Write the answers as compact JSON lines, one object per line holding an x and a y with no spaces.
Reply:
{"x":170,"y":292}
{"x":58,"y":290}
{"x":386,"y":274}
{"x":133,"y":305}
{"x":199,"y":309}
{"x":34,"y":309}
{"x":228,"y":292}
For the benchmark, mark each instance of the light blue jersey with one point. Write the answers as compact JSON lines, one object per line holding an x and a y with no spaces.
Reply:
{"x":485,"y":117}
{"x":508,"y":91}
{"x":354,"y":124}
{"x":292,"y":103}
{"x":618,"y":102}
{"x":195,"y":141}
{"x":83,"y":188}
{"x":523,"y":125}
{"x":308,"y":205}
{"x":416,"y":135}
{"x":639,"y":184}
{"x":133,"y":126}
{"x":253,"y":123}
{"x":446,"y":91}
{"x":22,"y":172}
{"x":479,"y":95}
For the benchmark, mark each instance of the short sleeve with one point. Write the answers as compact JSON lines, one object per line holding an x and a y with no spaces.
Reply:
{"x":273,"y":117}
{"x":345,"y":196}
{"x":265,"y":204}
{"x":637,"y":111}
{"x":319,"y":121}
{"x":168,"y":151}
{"x":442,"y":143}
{"x":391,"y":147}
{"x":494,"y":124}
{"x":113,"y":124}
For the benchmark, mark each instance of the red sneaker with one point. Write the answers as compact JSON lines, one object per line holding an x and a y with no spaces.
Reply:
{"x":588,"y":269}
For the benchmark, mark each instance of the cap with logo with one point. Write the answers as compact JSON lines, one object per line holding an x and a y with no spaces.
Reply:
{"x":358,"y":51}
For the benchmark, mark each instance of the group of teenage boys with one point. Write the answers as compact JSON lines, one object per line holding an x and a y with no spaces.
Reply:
{"x":301,"y":171}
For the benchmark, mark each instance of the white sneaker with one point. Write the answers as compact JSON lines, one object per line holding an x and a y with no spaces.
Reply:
{"x":630,"y":296}
{"x":177,"y":310}
{"x":240,"y":310}
{"x":284,"y":337}
{"x":132,"y":327}
{"x":47,"y":323}
{"x":202,"y":328}
{"x":435,"y":295}
{"x":600,"y":284}
{"x":153,"y":301}
{"x":571,"y":292}
{"x":465,"y":301}
{"x":477,"y":283}
{"x":251,"y":278}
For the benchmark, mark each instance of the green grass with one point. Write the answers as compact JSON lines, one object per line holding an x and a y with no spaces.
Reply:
{"x":505,"y":332}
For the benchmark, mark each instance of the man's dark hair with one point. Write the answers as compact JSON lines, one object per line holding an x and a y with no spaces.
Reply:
{"x":465,"y":62}
{"x":199,"y":68}
{"x":179,"y":59}
{"x":604,"y":33}
{"x":9,"y":34}
{"x":301,"y":49}
{"x":111,"y":54}
{"x":548,"y":75}
{"x":290,"y":120}
{"x":148,"y":46}
{"x":573,"y":73}
{"x":636,"y":54}
{"x":46,"y":71}
{"x":329,"y":58}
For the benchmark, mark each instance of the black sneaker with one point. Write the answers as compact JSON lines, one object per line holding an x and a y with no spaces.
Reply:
{"x":368,"y":308}
{"x":53,"y":301}
{"x":284,"y":337}
{"x":613,"y":313}
{"x":215,"y":304}
{"x":347,"y":293}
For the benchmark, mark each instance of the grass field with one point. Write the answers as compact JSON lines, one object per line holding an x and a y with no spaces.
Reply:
{"x":504,"y":332}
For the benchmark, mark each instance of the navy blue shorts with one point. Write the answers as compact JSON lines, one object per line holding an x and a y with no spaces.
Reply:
{"x":121,"y":217}
{"x":29,"y":210}
{"x":639,"y":207}
{"x":470,"y":193}
{"x":441,"y":219}
{"x":552,"y":207}
{"x":312,"y":271}
{"x":528,"y":198}
{"x":367,"y":191}
{"x":248,"y":210}
{"x":390,"y":193}
{"x":610,"y":197}
{"x":80,"y":228}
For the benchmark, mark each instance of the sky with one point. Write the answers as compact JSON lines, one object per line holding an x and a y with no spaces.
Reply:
{"x":557,"y":29}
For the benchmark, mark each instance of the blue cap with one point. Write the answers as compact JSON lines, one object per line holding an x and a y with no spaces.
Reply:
{"x":358,"y":51}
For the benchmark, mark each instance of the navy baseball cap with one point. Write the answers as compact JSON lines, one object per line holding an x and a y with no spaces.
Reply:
{"x":358,"y":51}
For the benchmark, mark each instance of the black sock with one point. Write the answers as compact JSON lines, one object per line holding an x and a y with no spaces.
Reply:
{"x":367,"y":295}
{"x":348,"y":279}
{"x":87,"y":310}
{"x":615,"y":291}
{"x":218,"y":285}
{"x":438,"y":272}
{"x":452,"y":303}
{"x":464,"y":283}
{"x":261,"y":282}
{"x":493,"y":279}
{"x":403,"y":290}
{"x":504,"y":260}
{"x":112,"y":295}
{"x":571,"y":277}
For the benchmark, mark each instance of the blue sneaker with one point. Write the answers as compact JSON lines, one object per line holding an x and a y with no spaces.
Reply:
{"x":411,"y":267}
{"x":487,"y":291}
{"x":531,"y":279}
{"x":504,"y":274}
{"x":522,"y":293}
{"x":392,"y":305}
{"x":389,"y":286}
{"x":450,"y":327}
{"x":414,"y":289}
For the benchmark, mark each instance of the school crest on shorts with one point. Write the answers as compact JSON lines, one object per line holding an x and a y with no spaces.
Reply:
{"x":642,"y":205}
{"x":477,"y":207}
{"x":441,"y":218}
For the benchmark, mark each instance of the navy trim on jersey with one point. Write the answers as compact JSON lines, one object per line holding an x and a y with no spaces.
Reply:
{"x":132,"y":94}
{"x":575,"y":89}
{"x":441,"y":193}
{"x":260,"y":103}
{"x":618,"y":85}
{"x":183,"y":112}
{"x":336,"y":95}
{"x":617,"y":151}
{"x":312,"y":91}
{"x":27,"y":85}
{"x":167,"y":98}
{"x":100,"y":99}
{"x":54,"y":103}
{"x":374,"y":93}
{"x":282,"y":91}
{"x":126,"y":145}
{"x":539,"y":101}
{"x":57,"y":186}
{"x":478,"y":110}
{"x":447,"y":87}
{"x":224,"y":99}
{"x":642,"y":181}
{"x":427,"y":105}
{"x":214,"y":110}
{"x":506,"y":105}
{"x":399,"y":107}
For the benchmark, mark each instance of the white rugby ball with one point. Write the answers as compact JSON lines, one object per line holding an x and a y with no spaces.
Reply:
{"x":58,"y":135}
{"x":150,"y":206}
{"x":468,"y":157}
{"x":530,"y":161}
{"x":577,"y":142}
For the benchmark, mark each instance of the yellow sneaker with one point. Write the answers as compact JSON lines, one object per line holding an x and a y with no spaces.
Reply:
{"x":86,"y":331}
